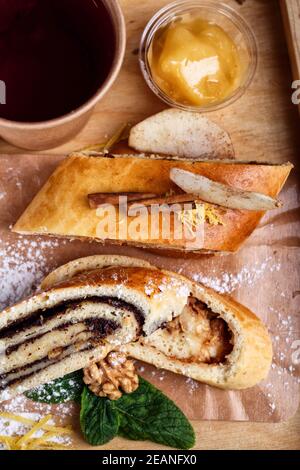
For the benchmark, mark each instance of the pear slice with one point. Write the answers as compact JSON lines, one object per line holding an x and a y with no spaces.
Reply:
{"x":221,"y":194}
{"x":182,"y":134}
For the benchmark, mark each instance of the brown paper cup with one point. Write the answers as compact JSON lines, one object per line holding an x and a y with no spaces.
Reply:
{"x":49,"y":134}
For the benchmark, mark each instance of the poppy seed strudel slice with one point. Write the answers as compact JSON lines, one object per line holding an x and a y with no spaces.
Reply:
{"x":81,"y":320}
{"x":215,"y":339}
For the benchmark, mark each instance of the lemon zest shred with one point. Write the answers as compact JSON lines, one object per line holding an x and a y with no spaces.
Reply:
{"x":211,"y":215}
{"x":93,"y":148}
{"x":39,"y":425}
{"x":116,"y":137}
{"x":192,"y":218}
{"x":8,"y":444}
{"x":31,"y":422}
{"x":27,"y":441}
{"x":18,"y":418}
{"x":41,"y":440}
{"x":106,"y":146}
{"x":7,"y":438}
{"x":53,"y":446}
{"x":11,"y":444}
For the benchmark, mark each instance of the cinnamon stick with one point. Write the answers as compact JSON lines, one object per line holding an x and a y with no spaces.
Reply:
{"x":97,"y":199}
{"x":174,"y":199}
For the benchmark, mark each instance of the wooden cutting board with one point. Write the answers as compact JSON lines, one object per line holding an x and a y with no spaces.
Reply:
{"x":291,"y":18}
{"x":263,"y":125}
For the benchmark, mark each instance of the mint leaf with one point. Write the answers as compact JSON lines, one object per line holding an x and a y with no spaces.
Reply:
{"x":67,"y":388}
{"x":99,"y":419}
{"x":147,"y":414}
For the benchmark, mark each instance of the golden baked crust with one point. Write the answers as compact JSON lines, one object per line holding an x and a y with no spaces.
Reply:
{"x":61,"y":207}
{"x":81,"y":265}
{"x":247,"y":364}
{"x":83,"y":318}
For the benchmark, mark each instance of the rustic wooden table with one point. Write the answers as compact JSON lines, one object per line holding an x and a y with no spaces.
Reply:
{"x":271,"y":134}
{"x":224,"y":435}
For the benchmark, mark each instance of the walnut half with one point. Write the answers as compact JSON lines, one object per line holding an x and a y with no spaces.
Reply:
{"x":109,"y":377}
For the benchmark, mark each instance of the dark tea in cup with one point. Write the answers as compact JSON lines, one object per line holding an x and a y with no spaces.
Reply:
{"x":54,"y":56}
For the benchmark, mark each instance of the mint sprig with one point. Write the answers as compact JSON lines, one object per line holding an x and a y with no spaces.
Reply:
{"x":64,"y":389}
{"x":146,"y":414}
{"x":99,"y":419}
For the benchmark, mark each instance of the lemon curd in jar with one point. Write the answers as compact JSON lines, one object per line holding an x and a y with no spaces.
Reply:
{"x":194,"y":61}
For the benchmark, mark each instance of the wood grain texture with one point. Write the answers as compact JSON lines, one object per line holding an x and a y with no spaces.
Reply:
{"x":263,"y":125}
{"x":224,"y":435}
{"x":291,"y":17}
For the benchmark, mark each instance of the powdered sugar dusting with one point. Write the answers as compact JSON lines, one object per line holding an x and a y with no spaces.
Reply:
{"x":20,"y":406}
{"x":23,"y":265}
{"x":9,"y":427}
{"x":247,"y":276}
